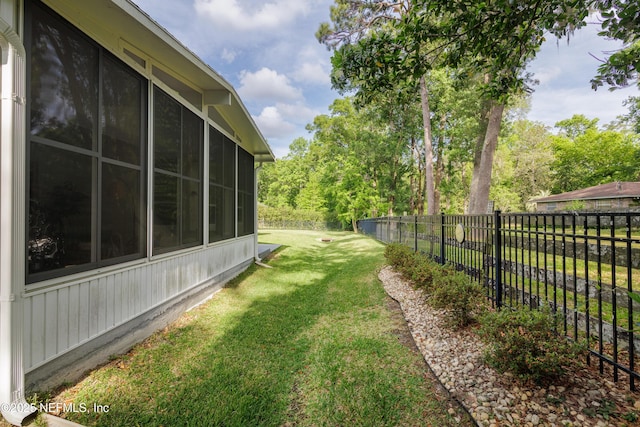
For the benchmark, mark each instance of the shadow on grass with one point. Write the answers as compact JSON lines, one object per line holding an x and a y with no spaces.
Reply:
{"x":236,"y":368}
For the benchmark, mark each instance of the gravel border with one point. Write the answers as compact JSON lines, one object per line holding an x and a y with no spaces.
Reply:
{"x":493,"y":399}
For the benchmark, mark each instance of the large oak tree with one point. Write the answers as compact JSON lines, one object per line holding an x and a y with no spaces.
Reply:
{"x":383,"y":44}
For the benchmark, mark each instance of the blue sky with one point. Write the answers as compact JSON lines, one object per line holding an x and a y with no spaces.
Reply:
{"x":268,"y":51}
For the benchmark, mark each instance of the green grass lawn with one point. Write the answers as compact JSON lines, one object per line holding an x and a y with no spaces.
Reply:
{"x":309,"y":342}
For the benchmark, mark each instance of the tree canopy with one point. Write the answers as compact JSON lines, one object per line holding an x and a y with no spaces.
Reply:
{"x":428,"y":124}
{"x":621,"y":21}
{"x":580,"y":160}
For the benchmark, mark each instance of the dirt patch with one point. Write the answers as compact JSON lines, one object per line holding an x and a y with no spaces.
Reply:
{"x":402,"y":332}
{"x":400,"y":327}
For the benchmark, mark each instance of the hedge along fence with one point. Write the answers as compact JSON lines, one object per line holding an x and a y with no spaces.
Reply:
{"x":522,"y":342}
{"x":284,"y":224}
{"x":535,"y":260}
{"x":286,"y":218}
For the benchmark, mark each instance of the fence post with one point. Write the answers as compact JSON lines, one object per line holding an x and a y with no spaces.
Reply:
{"x":415,"y":233}
{"x":388,"y":235}
{"x":442,"y":251}
{"x":497,"y":272}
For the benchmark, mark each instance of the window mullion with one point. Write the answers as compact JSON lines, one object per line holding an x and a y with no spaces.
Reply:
{"x":181,"y":180}
{"x":205,"y":182}
{"x":235,"y":177}
{"x":96,"y":226}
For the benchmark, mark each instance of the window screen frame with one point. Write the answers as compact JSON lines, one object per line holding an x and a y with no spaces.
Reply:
{"x":94,"y":154}
{"x":181,"y":178}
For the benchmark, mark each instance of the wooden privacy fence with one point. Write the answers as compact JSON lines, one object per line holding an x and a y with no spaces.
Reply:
{"x":585,"y":266}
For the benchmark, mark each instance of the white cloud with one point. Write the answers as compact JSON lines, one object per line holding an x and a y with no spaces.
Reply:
{"x":547,"y":73}
{"x":313,"y":73}
{"x":299,"y":113}
{"x":267,"y":84}
{"x":238,"y":15}
{"x":564,"y":71}
{"x":228,"y":55}
{"x":266,"y":49}
{"x":551,"y":106}
{"x":282,"y":123}
{"x":272,"y":124}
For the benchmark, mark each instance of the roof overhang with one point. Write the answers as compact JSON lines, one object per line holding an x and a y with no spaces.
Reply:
{"x":118,"y":24}
{"x":609,"y":191}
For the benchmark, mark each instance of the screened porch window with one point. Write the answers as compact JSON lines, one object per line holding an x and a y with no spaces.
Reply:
{"x":177,"y":178}
{"x":86,"y":152}
{"x":222,"y":186}
{"x":246,"y":194}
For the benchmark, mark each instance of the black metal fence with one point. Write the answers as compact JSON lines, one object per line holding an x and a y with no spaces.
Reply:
{"x":585,"y":266}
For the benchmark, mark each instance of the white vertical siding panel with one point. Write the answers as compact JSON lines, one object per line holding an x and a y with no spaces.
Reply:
{"x":154,"y":285}
{"x":193,"y":272}
{"x":162,"y":280}
{"x":117,"y":297}
{"x":27,"y":316}
{"x":127,"y":311}
{"x":103,"y":306}
{"x":184,"y":275}
{"x":133,"y":280}
{"x":134,"y":294}
{"x":84,"y":315}
{"x":179,"y":269}
{"x":62,"y":311}
{"x":110,"y":299}
{"x":51,"y":327}
{"x":128,"y":294}
{"x":74,"y":315}
{"x":172,"y":277}
{"x":217,"y":261}
{"x":150,"y":278}
{"x":157,"y":283}
{"x":94,"y":307}
{"x":140,"y":294}
{"x":132,"y":284}
{"x":64,"y":316}
{"x":142,"y":276}
{"x":196,"y":271}
{"x":200,"y":265}
{"x":146,"y":275}
{"x":131,"y":293}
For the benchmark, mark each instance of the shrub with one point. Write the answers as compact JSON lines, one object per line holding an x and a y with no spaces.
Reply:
{"x":455,"y":292}
{"x":400,"y":257}
{"x":524,"y":343}
{"x":423,"y":272}
{"x":448,"y":289}
{"x":414,"y":266}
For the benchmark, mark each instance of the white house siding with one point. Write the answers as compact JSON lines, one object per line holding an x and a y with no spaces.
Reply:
{"x":58,"y":323}
{"x":60,"y":318}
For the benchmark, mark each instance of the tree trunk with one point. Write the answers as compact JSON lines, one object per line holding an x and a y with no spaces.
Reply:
{"x":413,"y":205}
{"x":428,"y":148}
{"x":439,"y":168}
{"x":483,"y":122}
{"x":417,"y":190}
{"x":483,"y":162}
